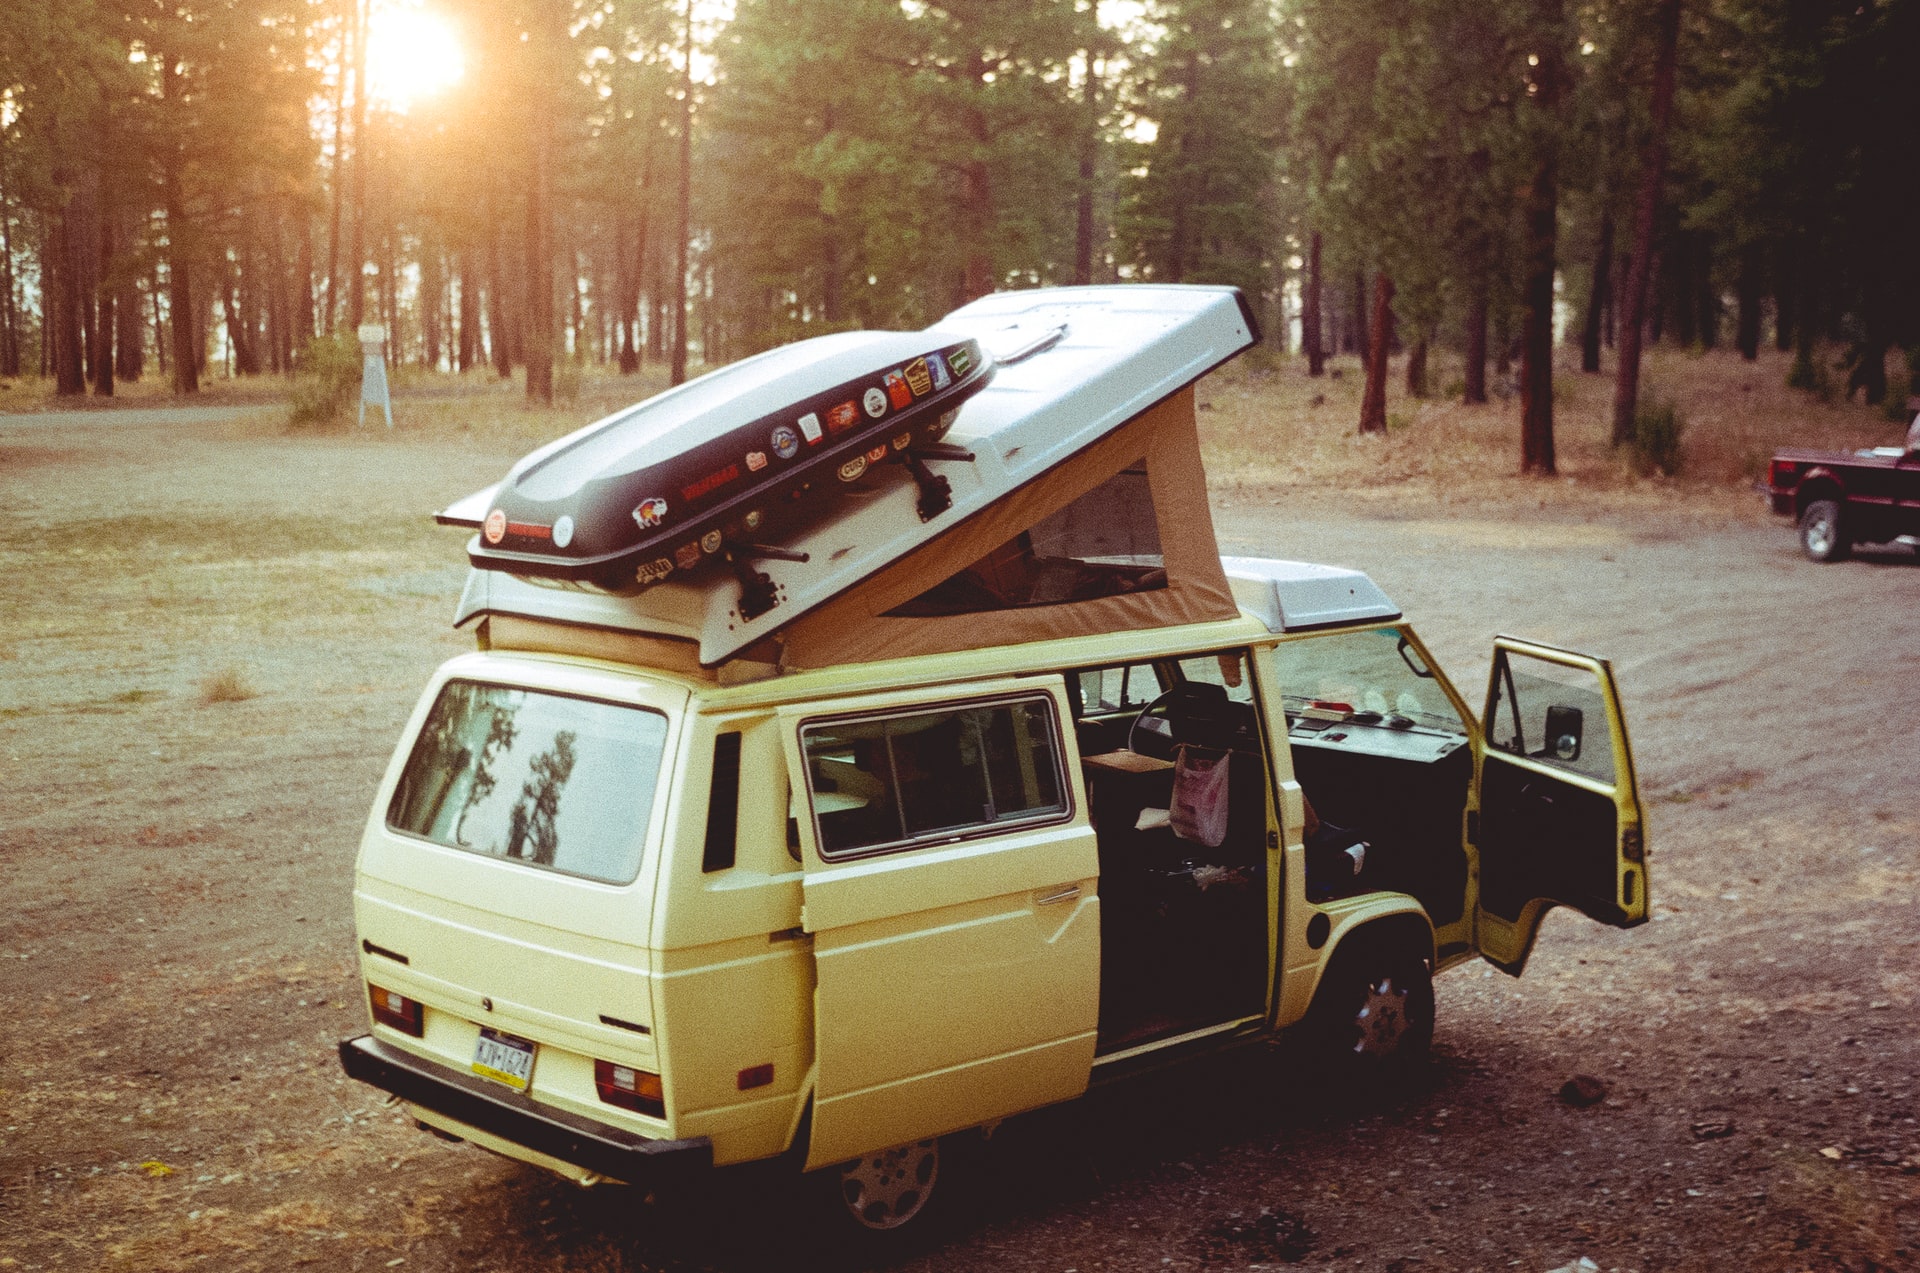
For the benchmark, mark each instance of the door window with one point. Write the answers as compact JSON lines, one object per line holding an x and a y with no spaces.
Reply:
{"x":886,"y":782}
{"x":1551,"y":713}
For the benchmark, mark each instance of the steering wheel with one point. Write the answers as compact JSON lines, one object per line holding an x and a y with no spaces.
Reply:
{"x":1196,"y":712}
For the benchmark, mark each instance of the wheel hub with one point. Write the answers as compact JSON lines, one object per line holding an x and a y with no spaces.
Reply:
{"x":886,"y":1189}
{"x":1820,"y":535}
{"x":1382,"y":1019}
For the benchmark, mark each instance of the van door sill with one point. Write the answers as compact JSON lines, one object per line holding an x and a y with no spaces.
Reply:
{"x":1241,"y":1025}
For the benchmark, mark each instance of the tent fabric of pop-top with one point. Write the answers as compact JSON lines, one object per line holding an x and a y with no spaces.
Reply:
{"x":1056,"y":489}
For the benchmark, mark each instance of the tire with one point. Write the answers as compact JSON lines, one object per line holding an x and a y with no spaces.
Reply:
{"x":1823,"y":533}
{"x":1370,"y":1029}
{"x":884,"y":1203}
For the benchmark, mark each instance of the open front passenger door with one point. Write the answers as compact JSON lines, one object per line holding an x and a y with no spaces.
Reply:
{"x":1560,"y":819}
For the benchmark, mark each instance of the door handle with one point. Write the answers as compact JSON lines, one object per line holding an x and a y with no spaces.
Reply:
{"x":1065,"y":894}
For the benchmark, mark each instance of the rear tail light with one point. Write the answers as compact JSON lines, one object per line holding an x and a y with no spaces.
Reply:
{"x":1780,"y":473}
{"x":396,"y":1010}
{"x":629,"y":1088}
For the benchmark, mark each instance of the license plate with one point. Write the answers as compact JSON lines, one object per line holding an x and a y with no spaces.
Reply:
{"x":504,"y":1059}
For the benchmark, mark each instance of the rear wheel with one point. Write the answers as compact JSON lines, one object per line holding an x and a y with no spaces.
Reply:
{"x":1823,"y":531}
{"x":888,"y":1189}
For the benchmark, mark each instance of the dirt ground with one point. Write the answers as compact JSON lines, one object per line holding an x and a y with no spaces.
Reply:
{"x":211,"y":633}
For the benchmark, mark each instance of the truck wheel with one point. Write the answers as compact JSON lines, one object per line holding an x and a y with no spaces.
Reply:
{"x":1371,"y":1024}
{"x":890,"y":1188}
{"x":1823,"y":532}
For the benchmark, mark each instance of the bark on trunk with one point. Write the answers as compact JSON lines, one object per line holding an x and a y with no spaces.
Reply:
{"x":1747,"y":335}
{"x":1476,"y":371}
{"x":1417,"y":369}
{"x":1373,"y":405}
{"x":1089,"y":154}
{"x":498,"y":340}
{"x":1626,"y":391}
{"x":1361,"y":345}
{"x":1597,"y":298}
{"x":469,"y":313}
{"x":1705,"y":298}
{"x":1310,"y":311}
{"x":106,"y":326}
{"x":683,"y":210}
{"x":1785,"y":301}
{"x":63,"y":295}
{"x":1536,"y":341}
{"x":356,"y":251}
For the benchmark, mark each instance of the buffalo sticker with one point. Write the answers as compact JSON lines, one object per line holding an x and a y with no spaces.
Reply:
{"x":960,"y":360}
{"x":875,"y":401}
{"x":852,"y":469}
{"x":919,"y":379}
{"x":809,"y":428}
{"x":688,"y":555}
{"x":650,"y":513}
{"x":938,"y":366}
{"x":712,"y":482}
{"x":710,"y":542}
{"x":653,"y":571}
{"x":756,"y":460}
{"x":842,"y":417}
{"x":897,"y":390}
{"x":786,"y":443}
{"x":878,"y":454}
{"x":496,"y":528}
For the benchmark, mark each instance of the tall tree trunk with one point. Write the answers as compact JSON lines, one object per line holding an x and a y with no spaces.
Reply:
{"x":1536,"y":338}
{"x":499,"y":338}
{"x":1705,"y":298}
{"x":1787,"y":311}
{"x":300,"y":331}
{"x":433,"y":269}
{"x":105,"y":325}
{"x":1626,"y":386}
{"x":1597,"y":297}
{"x":976,"y":211}
{"x":336,"y":174}
{"x":1417,"y":367}
{"x":683,"y":211}
{"x":129,"y":347}
{"x":1358,"y":319}
{"x":9,"y":302}
{"x":1089,"y":157}
{"x":62,"y":306}
{"x":538,"y":310}
{"x":1310,"y":311}
{"x":357,"y":249}
{"x":1747,"y":337}
{"x":469,"y":343}
{"x":1476,"y":370}
{"x":1373,"y":405}
{"x":161,"y":330}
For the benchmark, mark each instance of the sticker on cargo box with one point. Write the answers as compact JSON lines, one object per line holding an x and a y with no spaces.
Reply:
{"x":875,"y":402}
{"x":919,"y":379}
{"x":852,"y":469}
{"x":809,"y":428}
{"x":653,"y":571}
{"x":650,"y":512}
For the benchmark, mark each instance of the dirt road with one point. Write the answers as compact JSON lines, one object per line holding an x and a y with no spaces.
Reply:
{"x":175,"y":933}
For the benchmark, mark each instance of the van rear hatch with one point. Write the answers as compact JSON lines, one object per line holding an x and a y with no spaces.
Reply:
{"x":507,"y":872}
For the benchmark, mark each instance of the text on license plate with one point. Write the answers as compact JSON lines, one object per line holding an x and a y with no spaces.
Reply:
{"x":504,"y":1059}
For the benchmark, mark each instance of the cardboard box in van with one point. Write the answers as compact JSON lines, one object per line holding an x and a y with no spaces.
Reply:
{"x":989,"y":806}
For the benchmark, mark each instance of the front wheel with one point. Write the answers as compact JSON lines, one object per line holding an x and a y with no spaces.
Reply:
{"x":1371,"y":1024}
{"x":1823,"y":532}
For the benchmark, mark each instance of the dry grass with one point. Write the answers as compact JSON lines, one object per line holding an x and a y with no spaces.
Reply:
{"x":1264,"y":422}
{"x":229,"y":684}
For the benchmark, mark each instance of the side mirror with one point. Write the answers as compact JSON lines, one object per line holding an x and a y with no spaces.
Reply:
{"x":1564,"y":726}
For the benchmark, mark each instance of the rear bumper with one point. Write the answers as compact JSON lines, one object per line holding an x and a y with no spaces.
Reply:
{"x":568,"y":1137}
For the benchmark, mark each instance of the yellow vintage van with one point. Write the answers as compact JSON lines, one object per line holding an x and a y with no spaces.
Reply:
{"x":1036,"y":790}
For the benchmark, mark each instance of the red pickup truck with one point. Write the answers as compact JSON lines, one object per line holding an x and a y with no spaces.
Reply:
{"x":1843,"y":498}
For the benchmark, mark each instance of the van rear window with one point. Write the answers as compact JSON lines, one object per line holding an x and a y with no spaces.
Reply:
{"x":553,"y":781}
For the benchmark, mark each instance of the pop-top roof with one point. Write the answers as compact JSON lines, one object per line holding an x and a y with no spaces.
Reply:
{"x":1070,"y":367}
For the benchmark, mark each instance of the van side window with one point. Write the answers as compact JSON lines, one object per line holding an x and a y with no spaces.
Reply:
{"x":885,"y":782}
{"x":723,"y":804}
